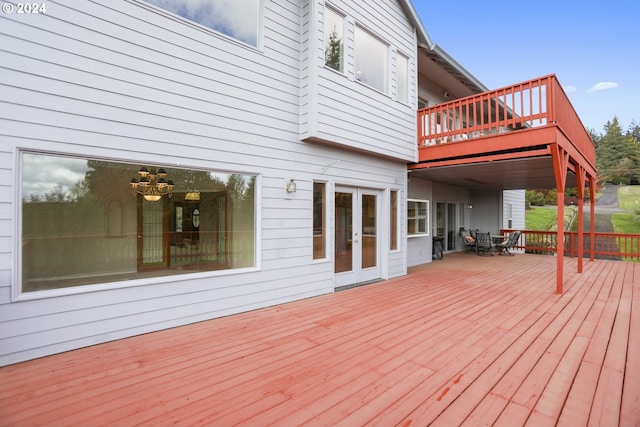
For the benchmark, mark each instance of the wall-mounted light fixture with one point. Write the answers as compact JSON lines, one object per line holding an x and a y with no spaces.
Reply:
{"x":470,"y":205}
{"x":152,"y":185}
{"x":291,"y":186}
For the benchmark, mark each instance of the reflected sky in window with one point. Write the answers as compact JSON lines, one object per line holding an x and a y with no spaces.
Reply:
{"x":43,"y":175}
{"x":235,"y":18}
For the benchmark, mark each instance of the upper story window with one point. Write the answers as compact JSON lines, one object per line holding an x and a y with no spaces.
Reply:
{"x":239,"y":19}
{"x":372,"y":57}
{"x":402,"y":78}
{"x":333,"y":40}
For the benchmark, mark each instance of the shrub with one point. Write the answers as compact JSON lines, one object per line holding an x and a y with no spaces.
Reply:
{"x":534,"y":198}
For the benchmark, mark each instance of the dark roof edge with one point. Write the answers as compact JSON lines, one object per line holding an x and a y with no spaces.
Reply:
{"x":425,"y":42}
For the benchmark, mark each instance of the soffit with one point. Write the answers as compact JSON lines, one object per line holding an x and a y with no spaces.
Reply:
{"x":515,"y":174}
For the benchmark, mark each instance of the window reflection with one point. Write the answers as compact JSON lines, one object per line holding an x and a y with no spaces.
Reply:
{"x":372,"y":56}
{"x":333,"y":40}
{"x":234,"y":18}
{"x":82,"y":223}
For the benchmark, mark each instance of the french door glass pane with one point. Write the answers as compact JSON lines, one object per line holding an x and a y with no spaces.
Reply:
{"x":344,"y":232}
{"x":369,"y":231}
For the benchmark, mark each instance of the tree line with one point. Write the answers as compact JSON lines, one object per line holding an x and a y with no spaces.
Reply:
{"x":618,"y":153}
{"x":617,"y":162}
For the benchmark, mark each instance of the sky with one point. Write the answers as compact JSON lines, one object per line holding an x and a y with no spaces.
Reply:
{"x":592,"y":46}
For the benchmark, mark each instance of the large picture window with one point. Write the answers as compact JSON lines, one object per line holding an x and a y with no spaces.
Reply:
{"x":372,"y":58}
{"x":239,"y":19}
{"x":87,"y":221}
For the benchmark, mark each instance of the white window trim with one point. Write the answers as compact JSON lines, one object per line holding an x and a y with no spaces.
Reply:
{"x":344,"y":41}
{"x":405,"y":101}
{"x":16,"y":275}
{"x":327,"y":256}
{"x":427,"y":219}
{"x":387,"y":89}
{"x":210,"y":31}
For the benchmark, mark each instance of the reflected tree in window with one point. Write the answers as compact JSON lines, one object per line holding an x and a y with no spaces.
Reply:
{"x":333,"y":52}
{"x":83,"y":224}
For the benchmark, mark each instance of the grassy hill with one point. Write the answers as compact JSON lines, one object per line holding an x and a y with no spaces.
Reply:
{"x":544,"y":218}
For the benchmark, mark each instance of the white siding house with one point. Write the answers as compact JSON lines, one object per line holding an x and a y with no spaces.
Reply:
{"x":288,"y":172}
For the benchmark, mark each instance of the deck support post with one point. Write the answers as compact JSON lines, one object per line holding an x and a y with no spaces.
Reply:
{"x":581,"y":178}
{"x":560,"y":165}
{"x":592,"y":212}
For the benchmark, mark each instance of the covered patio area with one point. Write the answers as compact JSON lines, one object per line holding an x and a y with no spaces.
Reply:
{"x":462,"y":341}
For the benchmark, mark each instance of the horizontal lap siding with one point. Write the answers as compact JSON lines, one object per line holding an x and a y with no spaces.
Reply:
{"x":350,"y":113}
{"x":516,"y":198}
{"x":6,"y":221}
{"x":126,"y":82}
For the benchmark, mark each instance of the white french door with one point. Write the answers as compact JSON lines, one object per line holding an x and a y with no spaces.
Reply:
{"x":357,"y":235}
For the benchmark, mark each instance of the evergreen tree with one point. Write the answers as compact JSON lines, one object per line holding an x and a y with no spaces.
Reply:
{"x":618,"y":155}
{"x":333,"y":52}
{"x":634,"y":131}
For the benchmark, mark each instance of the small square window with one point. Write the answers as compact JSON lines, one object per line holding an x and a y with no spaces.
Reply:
{"x":417,"y":217}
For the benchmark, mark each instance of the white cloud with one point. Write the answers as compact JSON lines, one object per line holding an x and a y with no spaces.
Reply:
{"x":42,"y":174}
{"x":235,"y":18}
{"x":603,"y":86}
{"x":570,"y":89}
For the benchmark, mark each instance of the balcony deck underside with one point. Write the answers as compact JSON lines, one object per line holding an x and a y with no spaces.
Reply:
{"x":513,"y":160}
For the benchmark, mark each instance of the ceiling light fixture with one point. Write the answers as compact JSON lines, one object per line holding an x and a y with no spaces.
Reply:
{"x":152,"y":185}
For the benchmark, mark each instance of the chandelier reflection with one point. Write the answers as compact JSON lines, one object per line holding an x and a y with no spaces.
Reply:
{"x":152,"y":185}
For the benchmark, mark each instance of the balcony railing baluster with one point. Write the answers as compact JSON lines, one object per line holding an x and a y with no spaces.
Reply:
{"x":536,"y":103}
{"x":606,"y":245}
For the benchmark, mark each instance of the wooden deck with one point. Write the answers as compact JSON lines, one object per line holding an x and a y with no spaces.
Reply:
{"x":464,"y":341}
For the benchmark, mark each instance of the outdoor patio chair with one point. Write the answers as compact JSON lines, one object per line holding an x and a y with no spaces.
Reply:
{"x":508,"y":244}
{"x":484,"y":244}
{"x":468,"y":239}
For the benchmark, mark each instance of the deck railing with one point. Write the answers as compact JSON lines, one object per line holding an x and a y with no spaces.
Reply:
{"x":606,"y":245}
{"x":535,"y":103}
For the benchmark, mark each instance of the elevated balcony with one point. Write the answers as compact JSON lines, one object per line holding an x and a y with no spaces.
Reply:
{"x":504,"y":139}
